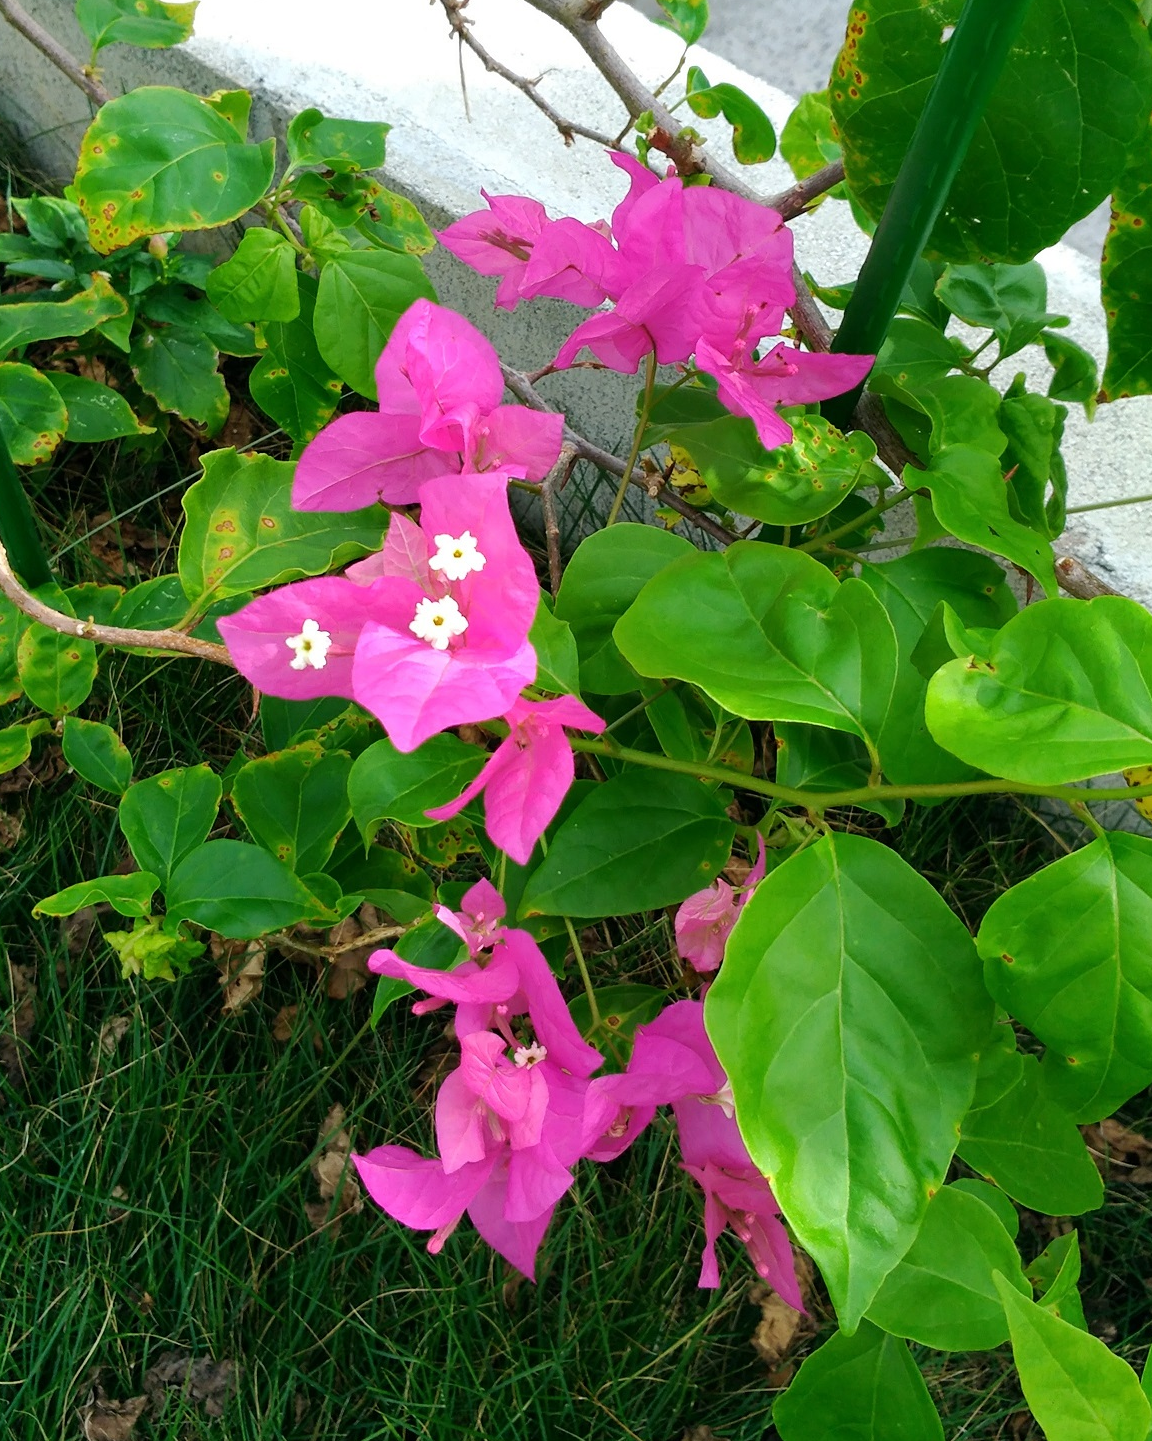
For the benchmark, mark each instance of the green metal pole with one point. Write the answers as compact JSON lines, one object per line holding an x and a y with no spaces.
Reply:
{"x":973,"y":60}
{"x":18,"y":526}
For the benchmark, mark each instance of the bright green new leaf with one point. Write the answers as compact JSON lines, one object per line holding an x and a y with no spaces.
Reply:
{"x":97,"y":753}
{"x":557,"y":659}
{"x":791,"y":485}
{"x":57,"y":671}
{"x":1028,"y":1146}
{"x":177,"y":367}
{"x":168,"y":816}
{"x":1071,"y":100}
{"x":1069,"y":953}
{"x":1054,"y":1275}
{"x":241,"y":533}
{"x":861,"y":1387}
{"x":387,"y":784}
{"x":995,"y":1199}
{"x":942,"y":1293}
{"x":129,"y":895}
{"x":970,"y":500}
{"x":295,"y":803}
{"x":848,"y":1015}
{"x":149,"y":24}
{"x":1075,"y":1387}
{"x":33,"y":417}
{"x":688,"y":18}
{"x":770,"y":634}
{"x":605,"y":575}
{"x":95,"y":412}
{"x":258,"y":281}
{"x":1064,"y":694}
{"x":238,"y":890}
{"x":161,"y":159}
{"x":631,"y":846}
{"x":291,"y":383}
{"x":361,"y":297}
{"x":1009,"y":300}
{"x":336,"y":144}
{"x":753,"y":138}
{"x":16,"y":742}
{"x":27,"y":321}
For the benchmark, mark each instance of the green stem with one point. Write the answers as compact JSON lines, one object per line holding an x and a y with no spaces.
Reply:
{"x":589,"y":989}
{"x":831,"y":536}
{"x":634,"y":453}
{"x":18,"y":532}
{"x":1107,"y":504}
{"x":972,"y":61}
{"x":825,"y":800}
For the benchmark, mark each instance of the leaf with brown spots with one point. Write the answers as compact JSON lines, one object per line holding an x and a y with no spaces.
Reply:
{"x":334,"y":1176}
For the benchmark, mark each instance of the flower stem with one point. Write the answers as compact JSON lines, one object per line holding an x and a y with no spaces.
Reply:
{"x":831,"y":536}
{"x":1107,"y":504}
{"x":634,"y":453}
{"x":18,"y":533}
{"x":593,"y":1008}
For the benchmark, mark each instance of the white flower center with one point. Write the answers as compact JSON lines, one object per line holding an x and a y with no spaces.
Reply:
{"x":456,"y":556}
{"x":311,"y":646}
{"x":437,"y":621}
{"x":724,"y":1099}
{"x":530,"y":1055}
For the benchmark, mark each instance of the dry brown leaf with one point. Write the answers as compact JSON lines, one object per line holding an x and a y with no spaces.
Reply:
{"x":239,"y":428}
{"x":206,"y":1382}
{"x":333,"y":1174}
{"x":107,"y":1420}
{"x":91,"y":367}
{"x":76,"y":930}
{"x":778,"y":1326}
{"x":19,"y":1022}
{"x":41,"y":768}
{"x":113,"y":1032}
{"x":736,"y":871}
{"x":701,"y":1433}
{"x":1120,"y":1154}
{"x":117,"y":1213}
{"x":242,"y":977}
{"x":284,"y":1023}
{"x":125,"y":549}
{"x":11,"y":829}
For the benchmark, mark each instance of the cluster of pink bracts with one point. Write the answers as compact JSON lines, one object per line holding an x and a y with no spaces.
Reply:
{"x":523,"y":1107}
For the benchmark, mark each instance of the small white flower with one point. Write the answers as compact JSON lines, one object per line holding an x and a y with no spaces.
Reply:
{"x":437,"y":621}
{"x":456,"y":556}
{"x":311,"y":646}
{"x":530,"y":1055}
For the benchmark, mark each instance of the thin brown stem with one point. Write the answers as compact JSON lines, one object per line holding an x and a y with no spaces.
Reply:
{"x":555,"y":480}
{"x":50,"y":47}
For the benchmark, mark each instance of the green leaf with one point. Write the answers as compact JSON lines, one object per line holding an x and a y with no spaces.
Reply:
{"x":33,"y":417}
{"x":52,"y":222}
{"x":291,"y":383}
{"x":160,"y":159}
{"x":283,"y":722}
{"x":428,"y":943}
{"x":395,"y":222}
{"x":1074,"y":378}
{"x":605,"y":575}
{"x":848,"y":1016}
{"x":295,"y":803}
{"x":808,"y":142}
{"x":995,"y":1199}
{"x":258,"y":281}
{"x":622,"y":1010}
{"x":172,"y":305}
{"x":241,"y":533}
{"x":1009,"y":300}
{"x":970,"y":500}
{"x":1054,"y":1274}
{"x":753,"y":138}
{"x":1063,"y":695}
{"x":812,"y":758}
{"x":557,"y":659}
{"x":129,"y":895}
{"x":27,"y":321}
{"x":168,"y":816}
{"x":385,"y":878}
{"x":1068,"y":952}
{"x":770,"y":634}
{"x":16,"y":742}
{"x":1126,"y":280}
{"x":631,"y":846}
{"x":57,"y":671}
{"x":237,"y":890}
{"x":915,"y":355}
{"x":1034,"y":427}
{"x":177,"y":367}
{"x":688,"y":18}
{"x":361,"y":297}
{"x":1071,"y":100}
{"x":1075,"y":1387}
{"x":1028,"y":1146}
{"x":942,"y":1293}
{"x":387,"y":784}
{"x":97,"y":753}
{"x":149,"y":24}
{"x":863,"y":1387}
{"x":336,"y":144}
{"x":791,"y":485}
{"x":95,"y":412}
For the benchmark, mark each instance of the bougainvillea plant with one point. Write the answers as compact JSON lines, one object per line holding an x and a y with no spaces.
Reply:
{"x":696,"y":708}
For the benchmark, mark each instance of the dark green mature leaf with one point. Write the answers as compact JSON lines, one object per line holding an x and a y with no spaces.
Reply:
{"x":241,"y":533}
{"x":361,"y":297}
{"x":1009,"y":300}
{"x":387,"y":784}
{"x":942,"y":1293}
{"x":258,"y":281}
{"x":753,"y":138}
{"x":336,"y":144}
{"x":863,"y":1387}
{"x":129,"y":895}
{"x":557,"y":659}
{"x":623,"y":1010}
{"x":1071,"y":101}
{"x":788,"y":486}
{"x":33,"y":417}
{"x":1074,"y":372}
{"x":1063,"y":695}
{"x":97,"y":753}
{"x":631,"y":846}
{"x":1028,"y":1146}
{"x":27,"y":321}
{"x":291,"y":383}
{"x":1075,"y":1387}
{"x":770,"y":634}
{"x":688,"y":18}
{"x":284,"y":721}
{"x":149,"y":24}
{"x":95,"y":412}
{"x":970,"y":500}
{"x":177,"y":367}
{"x":603,"y":578}
{"x":160,"y":159}
{"x":57,"y":671}
{"x":849,"y":1015}
{"x":295,"y":803}
{"x":238,"y":890}
{"x":383,"y":877}
{"x":1069,"y":953}
{"x":1126,"y":280}
{"x":168,"y":816}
